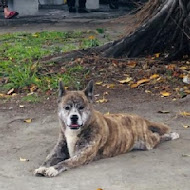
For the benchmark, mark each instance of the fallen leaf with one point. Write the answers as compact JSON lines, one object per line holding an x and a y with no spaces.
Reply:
{"x":186,"y":79}
{"x":186,"y":126}
{"x":21,"y":106}
{"x":139,"y":83}
{"x":163,"y":112}
{"x":110,"y":85}
{"x":10,"y":91}
{"x":157,"y":55}
{"x":104,"y":100}
{"x":24,"y":159}
{"x":107,"y":113}
{"x":185,"y":113}
{"x":28,"y":120}
{"x":187,"y":91}
{"x":128,"y":79}
{"x":99,"y":83}
{"x":186,"y":155}
{"x":148,"y":91}
{"x":135,"y":85}
{"x":154,"y":76}
{"x":4,"y":96}
{"x":132,"y":64}
{"x":165,"y":94}
{"x":142,"y":81}
{"x":99,"y":189}
{"x":105,"y":93}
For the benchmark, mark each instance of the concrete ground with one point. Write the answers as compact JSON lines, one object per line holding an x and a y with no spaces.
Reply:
{"x":166,"y":167}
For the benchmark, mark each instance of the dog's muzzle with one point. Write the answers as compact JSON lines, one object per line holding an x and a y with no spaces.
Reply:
{"x":74,"y":122}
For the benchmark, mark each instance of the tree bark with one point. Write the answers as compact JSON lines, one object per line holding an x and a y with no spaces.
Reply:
{"x":166,"y":29}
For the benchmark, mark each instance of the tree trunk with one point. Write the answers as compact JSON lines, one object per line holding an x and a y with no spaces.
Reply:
{"x":164,"y":28}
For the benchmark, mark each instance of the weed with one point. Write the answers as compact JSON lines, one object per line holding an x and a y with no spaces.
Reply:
{"x":20,"y":55}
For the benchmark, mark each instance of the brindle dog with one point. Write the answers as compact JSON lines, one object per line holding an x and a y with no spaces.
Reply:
{"x":87,"y":135}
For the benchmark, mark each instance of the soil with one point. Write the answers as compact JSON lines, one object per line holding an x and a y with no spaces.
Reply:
{"x":166,"y":167}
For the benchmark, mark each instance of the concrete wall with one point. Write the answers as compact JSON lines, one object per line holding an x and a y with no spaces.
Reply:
{"x":24,"y":7}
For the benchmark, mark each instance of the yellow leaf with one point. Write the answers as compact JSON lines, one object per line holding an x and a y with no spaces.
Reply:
{"x":128,"y":79}
{"x":186,"y":126}
{"x":99,"y":83}
{"x":165,"y":94}
{"x":185,"y":113}
{"x":28,"y":120}
{"x":91,"y":37}
{"x":110,"y":85}
{"x":104,"y":100}
{"x":154,"y":76}
{"x":4,"y":96}
{"x":135,"y":85}
{"x":107,"y":113}
{"x":157,"y":55}
{"x":23,"y":159}
{"x":187,"y":91}
{"x":142,"y":81}
{"x":99,"y":189}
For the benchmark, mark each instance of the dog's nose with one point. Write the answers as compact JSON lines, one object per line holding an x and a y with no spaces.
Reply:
{"x":74,"y":118}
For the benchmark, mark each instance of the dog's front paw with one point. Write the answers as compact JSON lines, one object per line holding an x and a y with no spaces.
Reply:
{"x":51,"y":172}
{"x":40,"y":171}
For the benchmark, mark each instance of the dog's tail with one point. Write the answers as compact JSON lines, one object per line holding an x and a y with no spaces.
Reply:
{"x":159,"y":128}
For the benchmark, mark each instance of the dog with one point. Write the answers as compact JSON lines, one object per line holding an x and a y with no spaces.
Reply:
{"x":87,"y":135}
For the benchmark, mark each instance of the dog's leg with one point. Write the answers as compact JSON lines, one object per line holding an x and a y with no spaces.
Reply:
{"x":87,"y":154}
{"x":58,"y":154}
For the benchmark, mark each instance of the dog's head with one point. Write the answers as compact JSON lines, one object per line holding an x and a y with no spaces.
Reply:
{"x":74,"y":106}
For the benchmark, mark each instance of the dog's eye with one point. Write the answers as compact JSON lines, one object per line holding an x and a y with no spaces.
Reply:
{"x":67,"y":108}
{"x":81,"y":107}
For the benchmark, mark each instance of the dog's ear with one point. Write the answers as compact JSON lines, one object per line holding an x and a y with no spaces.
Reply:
{"x":89,"y":90}
{"x":62,"y":90}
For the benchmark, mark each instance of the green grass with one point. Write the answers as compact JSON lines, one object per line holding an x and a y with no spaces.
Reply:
{"x":20,"y":55}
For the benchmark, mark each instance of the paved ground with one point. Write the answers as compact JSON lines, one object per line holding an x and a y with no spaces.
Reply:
{"x":160,"y":169}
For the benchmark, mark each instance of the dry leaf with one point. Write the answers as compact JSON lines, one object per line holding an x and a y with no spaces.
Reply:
{"x":28,"y":120}
{"x":99,"y":83}
{"x":139,"y":83}
{"x":110,"y":85}
{"x":148,"y":91}
{"x":4,"y":96}
{"x":165,"y":94}
{"x":157,"y":55}
{"x":21,"y":106}
{"x":186,"y":155}
{"x":187,"y":91}
{"x":185,"y":113}
{"x":186,"y":126}
{"x":163,"y":112}
{"x":186,"y":79}
{"x":132,"y":64}
{"x":135,"y":85}
{"x":24,"y":159}
{"x":99,"y":189}
{"x":128,"y":79}
{"x":104,"y":100}
{"x":154,"y":76}
{"x":10,"y":91}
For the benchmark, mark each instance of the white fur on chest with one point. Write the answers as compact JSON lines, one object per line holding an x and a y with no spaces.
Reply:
{"x":71,"y":138}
